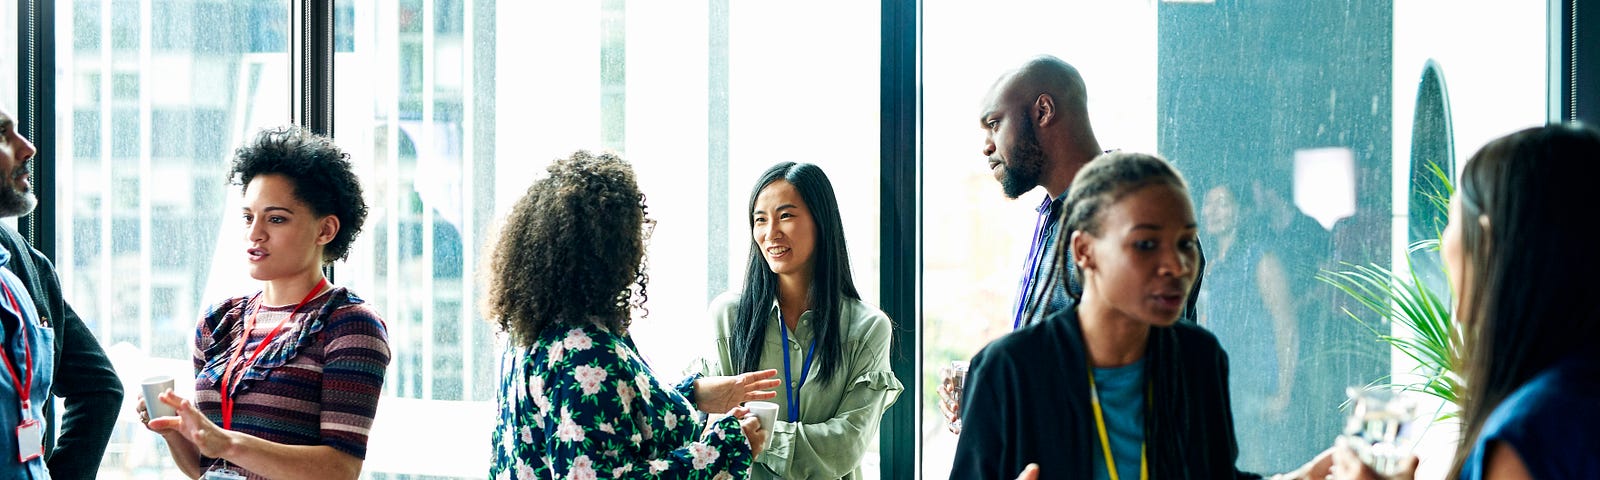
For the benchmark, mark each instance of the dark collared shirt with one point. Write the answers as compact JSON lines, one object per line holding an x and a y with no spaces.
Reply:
{"x":1046,"y":278}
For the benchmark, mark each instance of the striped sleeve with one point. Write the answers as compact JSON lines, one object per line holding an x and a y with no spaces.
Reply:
{"x":356,"y":356}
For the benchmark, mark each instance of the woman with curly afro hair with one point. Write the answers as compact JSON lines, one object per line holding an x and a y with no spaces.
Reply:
{"x":576,"y":399}
{"x":287,"y":379}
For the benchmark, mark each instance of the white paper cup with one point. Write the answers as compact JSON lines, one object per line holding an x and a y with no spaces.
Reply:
{"x":767,"y":413}
{"x":153,"y":387}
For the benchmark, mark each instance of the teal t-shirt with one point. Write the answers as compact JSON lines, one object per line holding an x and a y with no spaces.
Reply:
{"x":1122,"y":401}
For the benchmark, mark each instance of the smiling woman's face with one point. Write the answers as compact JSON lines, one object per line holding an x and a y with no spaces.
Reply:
{"x":783,"y":228}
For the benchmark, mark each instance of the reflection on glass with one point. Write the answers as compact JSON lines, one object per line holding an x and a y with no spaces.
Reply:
{"x":1233,"y":97}
{"x":154,"y":97}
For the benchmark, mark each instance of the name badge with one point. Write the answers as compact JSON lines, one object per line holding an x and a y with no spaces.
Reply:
{"x":30,"y":441}
{"x":222,"y":474}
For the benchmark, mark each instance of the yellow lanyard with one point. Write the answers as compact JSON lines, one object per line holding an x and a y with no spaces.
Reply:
{"x":1105,"y":440}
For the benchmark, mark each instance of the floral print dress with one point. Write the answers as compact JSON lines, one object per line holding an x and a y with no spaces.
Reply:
{"x":581,"y":404}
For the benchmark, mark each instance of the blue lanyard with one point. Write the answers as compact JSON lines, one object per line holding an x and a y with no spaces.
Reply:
{"x":1033,"y":263}
{"x":793,"y":390}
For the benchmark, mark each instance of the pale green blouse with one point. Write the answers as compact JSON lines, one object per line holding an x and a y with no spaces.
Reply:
{"x":839,"y":418}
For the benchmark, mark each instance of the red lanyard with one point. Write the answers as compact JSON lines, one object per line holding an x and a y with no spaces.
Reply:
{"x":24,"y":383}
{"x":229,"y":368}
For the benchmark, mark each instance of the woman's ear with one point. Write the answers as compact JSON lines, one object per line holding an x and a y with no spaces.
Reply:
{"x":1483,"y":221}
{"x":327,"y":228}
{"x":1081,"y":254}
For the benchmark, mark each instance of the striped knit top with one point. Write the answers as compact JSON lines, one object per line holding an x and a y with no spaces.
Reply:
{"x":317,"y":383}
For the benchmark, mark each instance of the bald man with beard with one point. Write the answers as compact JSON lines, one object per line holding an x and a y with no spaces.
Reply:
{"x":1037,"y":134}
{"x":1036,"y":128}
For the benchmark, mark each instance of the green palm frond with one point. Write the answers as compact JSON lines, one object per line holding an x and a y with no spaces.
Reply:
{"x":1404,"y":300}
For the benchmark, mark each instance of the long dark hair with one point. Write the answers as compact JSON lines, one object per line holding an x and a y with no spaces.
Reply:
{"x":1525,"y":306}
{"x":831,"y":282}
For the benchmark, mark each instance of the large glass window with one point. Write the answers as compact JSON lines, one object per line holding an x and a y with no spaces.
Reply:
{"x":451,"y":109}
{"x":1301,"y":129}
{"x":152,"y":98}
{"x":1293,"y":125}
{"x":8,"y":63}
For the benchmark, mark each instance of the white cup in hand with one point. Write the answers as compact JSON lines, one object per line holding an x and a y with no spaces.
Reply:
{"x":153,"y":387}
{"x":767,"y":413}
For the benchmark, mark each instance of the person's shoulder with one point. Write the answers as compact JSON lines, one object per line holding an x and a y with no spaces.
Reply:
{"x":216,"y":311}
{"x":727,"y":301}
{"x":589,"y":344}
{"x":11,"y":240}
{"x":865,"y":316}
{"x":350,"y":306}
{"x":1032,"y":338}
{"x":1547,"y":420}
{"x":724,"y":311}
{"x":1562,"y":393}
{"x":216,"y":314}
{"x":1192,"y":334}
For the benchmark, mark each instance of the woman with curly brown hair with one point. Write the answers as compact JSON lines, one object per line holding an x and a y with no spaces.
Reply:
{"x":286,"y":380}
{"x":576,"y":398}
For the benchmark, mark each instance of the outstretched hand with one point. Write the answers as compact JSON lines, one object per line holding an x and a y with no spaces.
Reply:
{"x":1029,"y":473}
{"x":723,"y":393}
{"x":210,"y":439}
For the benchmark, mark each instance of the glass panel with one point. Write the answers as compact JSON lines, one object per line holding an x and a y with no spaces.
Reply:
{"x":8,"y":62}
{"x":1489,"y":86}
{"x":1292,"y":123}
{"x":153,"y":98}
{"x":451,"y":108}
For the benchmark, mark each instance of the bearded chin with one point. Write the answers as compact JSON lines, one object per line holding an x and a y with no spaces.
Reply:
{"x":1026,"y":161}
{"x":1013,"y":185}
{"x":15,"y":203}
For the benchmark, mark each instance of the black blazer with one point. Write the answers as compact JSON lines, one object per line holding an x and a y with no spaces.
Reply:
{"x":1027,"y":401}
{"x":89,"y":388}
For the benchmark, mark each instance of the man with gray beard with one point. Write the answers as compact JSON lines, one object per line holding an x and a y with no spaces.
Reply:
{"x":59,"y":355}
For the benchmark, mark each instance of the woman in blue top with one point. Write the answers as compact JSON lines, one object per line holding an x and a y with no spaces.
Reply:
{"x":1527,"y":309}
